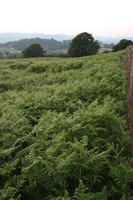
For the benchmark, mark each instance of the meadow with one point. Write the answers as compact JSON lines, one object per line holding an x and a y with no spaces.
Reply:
{"x":64,"y":130}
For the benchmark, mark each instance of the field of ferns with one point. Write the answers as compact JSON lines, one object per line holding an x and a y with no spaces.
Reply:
{"x":64,"y":130}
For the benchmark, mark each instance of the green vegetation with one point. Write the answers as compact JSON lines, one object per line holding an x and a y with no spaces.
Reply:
{"x":49,"y":45}
{"x":34,"y":50}
{"x":123,"y":44}
{"x":63,"y":126}
{"x":83,"y":45}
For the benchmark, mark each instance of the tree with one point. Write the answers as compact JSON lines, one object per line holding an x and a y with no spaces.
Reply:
{"x":83,"y":45}
{"x":34,"y":50}
{"x":1,"y":55}
{"x":122,"y":45}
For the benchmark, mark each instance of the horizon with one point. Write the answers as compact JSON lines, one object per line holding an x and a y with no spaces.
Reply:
{"x":100,"y":18}
{"x":71,"y":35}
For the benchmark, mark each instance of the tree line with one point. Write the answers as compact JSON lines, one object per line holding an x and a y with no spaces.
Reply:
{"x":81,"y":45}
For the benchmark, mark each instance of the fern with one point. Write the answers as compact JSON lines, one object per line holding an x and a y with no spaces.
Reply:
{"x":63,"y":127}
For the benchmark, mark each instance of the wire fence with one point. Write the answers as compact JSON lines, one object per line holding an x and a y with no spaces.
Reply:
{"x":129,"y":69}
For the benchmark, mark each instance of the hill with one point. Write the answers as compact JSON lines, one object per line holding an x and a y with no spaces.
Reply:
{"x":49,"y":45}
{"x":109,"y":40}
{"x":64,"y":131}
{"x":10,"y":37}
{"x":6,"y":37}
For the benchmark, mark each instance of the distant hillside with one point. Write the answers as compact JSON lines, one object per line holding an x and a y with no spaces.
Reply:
{"x":50,"y":45}
{"x":6,"y":37}
{"x":109,"y":40}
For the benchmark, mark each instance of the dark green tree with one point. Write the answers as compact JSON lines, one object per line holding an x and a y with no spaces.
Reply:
{"x":1,"y":54}
{"x":35,"y":50}
{"x":83,"y":45}
{"x":122,"y":45}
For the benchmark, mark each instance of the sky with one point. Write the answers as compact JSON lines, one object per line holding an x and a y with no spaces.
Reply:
{"x":98,"y":17}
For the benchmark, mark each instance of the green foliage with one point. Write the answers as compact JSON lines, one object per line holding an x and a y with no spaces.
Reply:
{"x":63,"y":125}
{"x":83,"y":45}
{"x":123,"y":44}
{"x":35,"y":50}
{"x":51,"y":46}
{"x":20,"y":66}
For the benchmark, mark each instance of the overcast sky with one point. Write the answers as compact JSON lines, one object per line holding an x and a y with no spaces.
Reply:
{"x":99,"y":17}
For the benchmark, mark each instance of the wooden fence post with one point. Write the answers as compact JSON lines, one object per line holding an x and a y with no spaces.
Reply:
{"x":129,"y":69}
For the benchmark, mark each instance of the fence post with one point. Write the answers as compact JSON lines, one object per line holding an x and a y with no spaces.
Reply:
{"x":129,"y":69}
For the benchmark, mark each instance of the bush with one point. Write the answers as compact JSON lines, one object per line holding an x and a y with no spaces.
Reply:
{"x":35,"y":50}
{"x":38,"y":68}
{"x":123,"y":44}
{"x":19,"y":66}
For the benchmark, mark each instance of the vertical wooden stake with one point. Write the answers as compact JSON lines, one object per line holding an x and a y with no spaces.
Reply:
{"x":129,"y":69}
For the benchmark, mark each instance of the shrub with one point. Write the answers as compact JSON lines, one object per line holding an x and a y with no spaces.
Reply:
{"x":35,"y":50}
